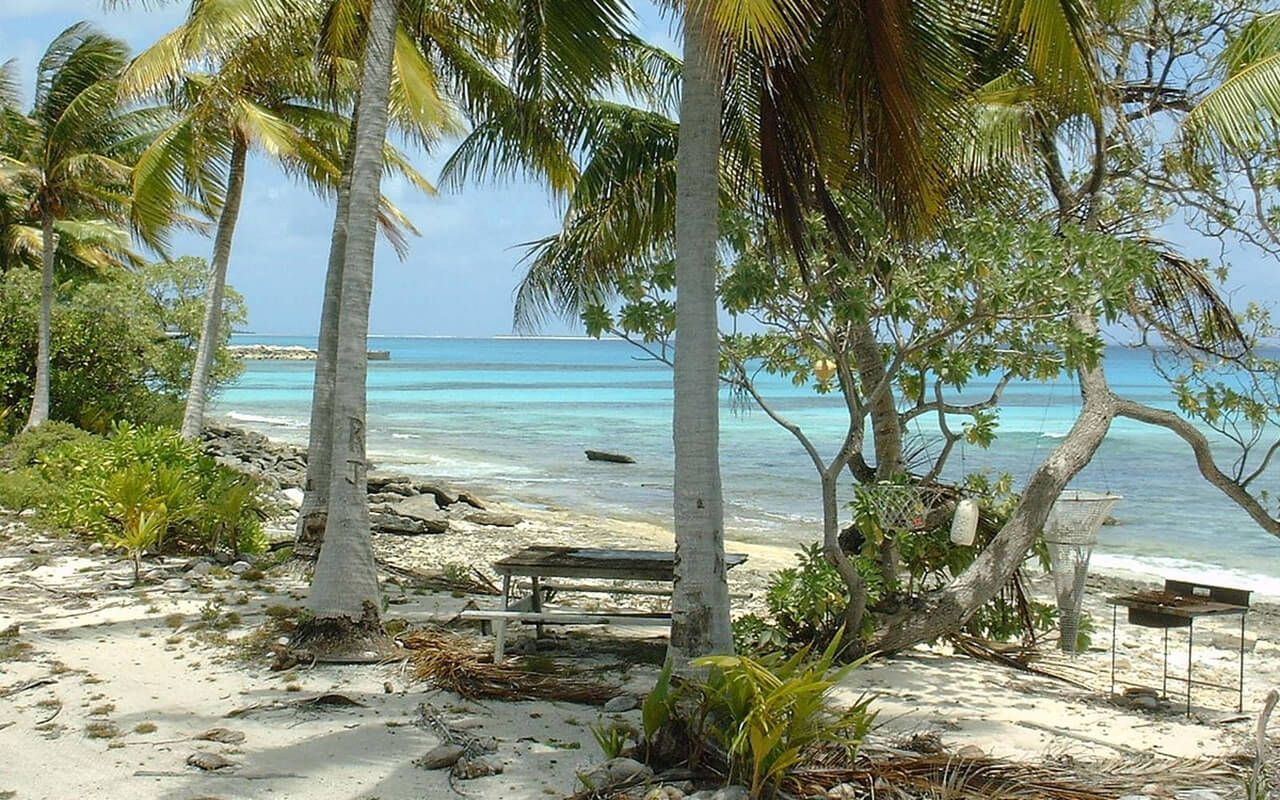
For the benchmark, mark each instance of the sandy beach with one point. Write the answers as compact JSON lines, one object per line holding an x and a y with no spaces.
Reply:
{"x":105,"y":688}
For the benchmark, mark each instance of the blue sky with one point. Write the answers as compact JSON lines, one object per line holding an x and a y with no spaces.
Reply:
{"x":459,"y":277}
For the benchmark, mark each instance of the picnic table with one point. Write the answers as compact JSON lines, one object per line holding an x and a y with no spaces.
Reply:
{"x":539,"y":562}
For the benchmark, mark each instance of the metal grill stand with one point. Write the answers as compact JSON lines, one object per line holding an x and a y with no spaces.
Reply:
{"x":1070,"y":532}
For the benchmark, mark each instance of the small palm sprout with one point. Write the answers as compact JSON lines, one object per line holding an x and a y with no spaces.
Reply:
{"x":138,"y":532}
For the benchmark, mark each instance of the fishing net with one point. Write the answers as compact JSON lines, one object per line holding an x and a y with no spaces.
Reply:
{"x":900,"y":507}
{"x":1070,"y":532}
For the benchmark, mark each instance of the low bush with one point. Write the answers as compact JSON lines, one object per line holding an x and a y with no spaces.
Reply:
{"x":106,"y":486}
{"x":25,"y":488}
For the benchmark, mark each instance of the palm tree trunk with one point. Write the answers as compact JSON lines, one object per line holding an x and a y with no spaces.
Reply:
{"x":40,"y":395}
{"x":700,"y":600}
{"x":315,"y":499}
{"x":344,"y":590}
{"x":886,"y":430}
{"x":210,"y":332}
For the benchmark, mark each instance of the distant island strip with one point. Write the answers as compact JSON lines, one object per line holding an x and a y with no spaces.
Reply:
{"x":274,"y":352}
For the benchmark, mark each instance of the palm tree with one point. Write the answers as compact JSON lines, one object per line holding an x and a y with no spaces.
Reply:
{"x":69,"y":160}
{"x":264,"y":94}
{"x":1245,"y":108}
{"x":344,"y":593}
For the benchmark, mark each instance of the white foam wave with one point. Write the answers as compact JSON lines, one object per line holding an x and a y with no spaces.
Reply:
{"x":1053,"y":436}
{"x":1162,"y":567}
{"x":255,"y":419}
{"x":405,"y":436}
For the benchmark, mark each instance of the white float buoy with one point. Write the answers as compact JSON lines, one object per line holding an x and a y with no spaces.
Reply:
{"x":965,"y":522}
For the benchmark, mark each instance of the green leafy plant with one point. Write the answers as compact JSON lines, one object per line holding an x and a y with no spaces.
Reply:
{"x":612,"y":739}
{"x":655,"y":711}
{"x":767,"y":713}
{"x":138,"y":533}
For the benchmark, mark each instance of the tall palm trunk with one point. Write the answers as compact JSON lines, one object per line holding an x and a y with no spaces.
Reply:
{"x":315,"y":500}
{"x":700,"y":602}
{"x":344,"y":591}
{"x":210,"y":332}
{"x":40,"y":396}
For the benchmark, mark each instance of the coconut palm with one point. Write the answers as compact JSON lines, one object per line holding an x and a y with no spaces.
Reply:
{"x":264,"y":93}
{"x":68,"y":161}
{"x":1245,"y":108}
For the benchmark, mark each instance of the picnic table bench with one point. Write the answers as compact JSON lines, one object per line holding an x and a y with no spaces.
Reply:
{"x":583,"y":563}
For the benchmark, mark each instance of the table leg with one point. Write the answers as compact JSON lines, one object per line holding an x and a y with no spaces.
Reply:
{"x":537,"y":606}
{"x":500,"y":644}
{"x":1191,"y":641}
{"x":1164,"y":668}
{"x":1114,"y":612}
{"x":506,"y":592}
{"x":1240,"y":701}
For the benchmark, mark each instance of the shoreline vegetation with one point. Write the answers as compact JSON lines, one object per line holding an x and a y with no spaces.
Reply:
{"x":71,"y":618}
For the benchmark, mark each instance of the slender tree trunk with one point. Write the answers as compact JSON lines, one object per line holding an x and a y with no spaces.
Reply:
{"x":951,"y":608}
{"x":211,"y":330}
{"x":700,"y":601}
{"x":315,"y":499}
{"x":344,"y":590}
{"x":857,"y":607}
{"x":40,"y":395}
{"x":886,"y":429}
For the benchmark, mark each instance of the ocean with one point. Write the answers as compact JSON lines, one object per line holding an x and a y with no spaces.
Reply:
{"x":512,"y":416}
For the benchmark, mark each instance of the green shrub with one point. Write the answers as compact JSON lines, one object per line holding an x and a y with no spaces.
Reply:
{"x":105,"y":483}
{"x":24,"y":488}
{"x":26,"y":447}
{"x":768,"y":713}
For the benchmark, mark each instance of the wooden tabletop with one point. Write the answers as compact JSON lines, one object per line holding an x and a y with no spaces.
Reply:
{"x":1176,"y":606}
{"x":590,"y":562}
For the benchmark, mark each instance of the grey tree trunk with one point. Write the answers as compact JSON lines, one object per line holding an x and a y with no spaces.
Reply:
{"x":857,"y":606}
{"x":700,"y":599}
{"x":211,"y":330}
{"x":344,"y":589}
{"x":315,"y":498}
{"x":40,"y":395}
{"x":886,"y":428}
{"x":948,"y":610}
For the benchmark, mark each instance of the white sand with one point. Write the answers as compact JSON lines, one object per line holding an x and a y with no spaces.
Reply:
{"x":115,"y":659}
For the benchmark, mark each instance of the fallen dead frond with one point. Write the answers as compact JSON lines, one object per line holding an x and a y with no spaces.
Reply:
{"x":454,"y":663}
{"x":474,"y":582}
{"x":909,"y":775}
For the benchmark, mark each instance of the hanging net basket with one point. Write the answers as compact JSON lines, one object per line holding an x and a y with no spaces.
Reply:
{"x":1070,"y":532}
{"x":898,"y":506}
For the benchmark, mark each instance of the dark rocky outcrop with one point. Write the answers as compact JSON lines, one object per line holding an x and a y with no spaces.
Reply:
{"x":613,"y":458}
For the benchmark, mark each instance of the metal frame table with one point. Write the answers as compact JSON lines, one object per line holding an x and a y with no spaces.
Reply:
{"x":1179,"y":606}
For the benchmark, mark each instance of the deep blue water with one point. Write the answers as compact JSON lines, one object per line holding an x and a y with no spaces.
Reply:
{"x":514,"y":415}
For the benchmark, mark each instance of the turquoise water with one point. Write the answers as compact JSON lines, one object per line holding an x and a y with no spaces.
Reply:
{"x":513,"y":416}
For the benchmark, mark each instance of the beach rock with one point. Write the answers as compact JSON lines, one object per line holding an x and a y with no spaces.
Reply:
{"x":471,"y":500}
{"x":400,"y":525}
{"x":843,"y":791}
{"x":496,"y":519}
{"x":96,"y":547}
{"x":971,"y":751}
{"x":209,"y":761}
{"x":444,"y":496}
{"x":621,"y":703}
{"x":422,"y":507}
{"x":175,"y":585}
{"x":665,"y":793}
{"x":1197,"y":794}
{"x":475,"y":767}
{"x":391,"y":484}
{"x":239,"y":567}
{"x":199,"y":568}
{"x":734,"y":792}
{"x":441,"y":756}
{"x":613,"y":458}
{"x":221,"y":735}
{"x":625,"y":770}
{"x":293,"y":496}
{"x":271,"y":352}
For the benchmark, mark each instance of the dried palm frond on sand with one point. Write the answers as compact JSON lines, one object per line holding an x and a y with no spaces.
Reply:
{"x":898,"y":774}
{"x":455,"y":663}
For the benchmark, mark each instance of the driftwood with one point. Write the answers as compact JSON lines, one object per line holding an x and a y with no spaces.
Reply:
{"x":331,"y":699}
{"x":475,"y":583}
{"x":28,"y":685}
{"x":1081,"y":737}
{"x":614,"y":458}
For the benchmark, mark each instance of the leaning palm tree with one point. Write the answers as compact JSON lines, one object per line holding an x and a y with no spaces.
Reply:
{"x":263,"y":93}
{"x":68,"y":160}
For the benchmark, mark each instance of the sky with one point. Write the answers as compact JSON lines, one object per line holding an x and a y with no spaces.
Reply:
{"x":459,"y":277}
